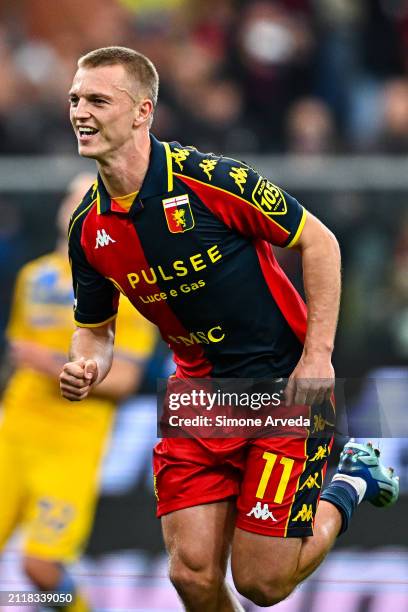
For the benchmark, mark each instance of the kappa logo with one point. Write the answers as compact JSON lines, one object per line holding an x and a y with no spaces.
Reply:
{"x":208,"y":166}
{"x":269,"y":198}
{"x":262,"y":512}
{"x":240,"y":176}
{"x":321,"y":453}
{"x":311,"y":482}
{"x":102,"y":239}
{"x":304,"y":514}
{"x":180,"y":156}
{"x":320,"y":423}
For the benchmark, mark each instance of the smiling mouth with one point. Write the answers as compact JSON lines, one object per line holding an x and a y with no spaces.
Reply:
{"x":86,"y":133}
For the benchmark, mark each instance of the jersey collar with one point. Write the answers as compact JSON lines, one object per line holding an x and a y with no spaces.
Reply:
{"x":158,"y":180}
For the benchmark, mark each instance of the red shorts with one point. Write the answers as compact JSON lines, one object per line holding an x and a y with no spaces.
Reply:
{"x":276,"y":481}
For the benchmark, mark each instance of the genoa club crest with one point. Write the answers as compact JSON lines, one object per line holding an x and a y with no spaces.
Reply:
{"x":178,"y":214}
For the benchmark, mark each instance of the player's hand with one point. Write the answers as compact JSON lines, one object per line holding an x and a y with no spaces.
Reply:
{"x":311,"y":382}
{"x":77,"y":378}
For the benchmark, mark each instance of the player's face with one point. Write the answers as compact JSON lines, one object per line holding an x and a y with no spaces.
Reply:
{"x":102,"y":111}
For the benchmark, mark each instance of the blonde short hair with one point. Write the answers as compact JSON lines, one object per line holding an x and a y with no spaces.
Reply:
{"x":137,"y":65}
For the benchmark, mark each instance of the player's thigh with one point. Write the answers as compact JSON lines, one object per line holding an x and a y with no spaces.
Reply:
{"x":277,"y":505}
{"x":187,"y":473}
{"x":199,"y":538}
{"x":63,"y":493}
{"x":196,"y":484}
{"x":11,"y":487}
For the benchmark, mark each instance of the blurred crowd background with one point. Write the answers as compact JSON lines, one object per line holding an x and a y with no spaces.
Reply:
{"x":264,"y":81}
{"x":240,"y":77}
{"x":265,"y":76}
{"x":307,"y":76}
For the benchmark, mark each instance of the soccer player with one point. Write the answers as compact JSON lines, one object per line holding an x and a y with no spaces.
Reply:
{"x":187,"y":237}
{"x":50,"y":450}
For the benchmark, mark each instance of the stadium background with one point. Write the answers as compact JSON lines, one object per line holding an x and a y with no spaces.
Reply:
{"x":314,"y":93}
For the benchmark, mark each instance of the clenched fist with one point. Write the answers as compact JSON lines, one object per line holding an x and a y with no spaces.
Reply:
{"x":77,"y":378}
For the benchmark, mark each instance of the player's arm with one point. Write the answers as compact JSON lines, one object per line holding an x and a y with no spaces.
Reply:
{"x":95,"y":310}
{"x":91,"y":358}
{"x":312,"y":381}
{"x":135,"y":339}
{"x":123,"y":379}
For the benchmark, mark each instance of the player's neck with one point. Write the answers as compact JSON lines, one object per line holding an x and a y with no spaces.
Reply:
{"x":124,"y":173}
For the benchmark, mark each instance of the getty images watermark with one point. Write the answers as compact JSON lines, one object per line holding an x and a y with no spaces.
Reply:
{"x":219,"y":400}
{"x":236,"y":408}
{"x":207,"y":401}
{"x":251,"y":408}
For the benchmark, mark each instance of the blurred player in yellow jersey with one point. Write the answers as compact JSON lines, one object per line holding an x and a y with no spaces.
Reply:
{"x":51,"y":449}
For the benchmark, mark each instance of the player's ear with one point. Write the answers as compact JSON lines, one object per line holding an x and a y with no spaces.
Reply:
{"x":143,"y":111}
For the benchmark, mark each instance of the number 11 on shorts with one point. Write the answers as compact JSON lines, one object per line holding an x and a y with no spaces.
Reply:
{"x":270,"y":459}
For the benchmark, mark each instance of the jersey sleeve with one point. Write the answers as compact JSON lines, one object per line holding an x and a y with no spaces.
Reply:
{"x":135,"y":336}
{"x":244,"y":200}
{"x":95,"y":297}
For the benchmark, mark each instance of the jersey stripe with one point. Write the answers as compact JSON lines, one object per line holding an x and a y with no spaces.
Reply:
{"x":96,"y":324}
{"x":195,"y":186}
{"x":169,"y":162}
{"x":77,"y":217}
{"x":285,"y":295}
{"x":298,"y":480}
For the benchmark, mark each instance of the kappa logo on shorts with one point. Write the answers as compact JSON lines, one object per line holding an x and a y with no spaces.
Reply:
{"x":321,"y":453}
{"x":311,"y":482}
{"x":261,"y":512}
{"x":320,"y":423}
{"x":304,"y":514}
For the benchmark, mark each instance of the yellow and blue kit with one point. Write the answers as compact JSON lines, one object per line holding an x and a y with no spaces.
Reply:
{"x":51,"y":449}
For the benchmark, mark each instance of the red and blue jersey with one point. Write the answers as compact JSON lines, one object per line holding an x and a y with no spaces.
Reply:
{"x":194,"y":255}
